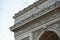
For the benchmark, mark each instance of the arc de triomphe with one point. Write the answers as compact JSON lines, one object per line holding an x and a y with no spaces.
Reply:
{"x":39,"y":21}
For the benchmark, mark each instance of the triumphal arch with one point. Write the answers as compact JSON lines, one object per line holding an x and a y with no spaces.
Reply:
{"x":39,"y":21}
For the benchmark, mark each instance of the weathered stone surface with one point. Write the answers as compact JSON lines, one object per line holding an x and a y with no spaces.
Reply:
{"x":34,"y":22}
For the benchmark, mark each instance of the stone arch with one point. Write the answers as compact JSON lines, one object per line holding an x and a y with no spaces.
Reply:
{"x":49,"y":34}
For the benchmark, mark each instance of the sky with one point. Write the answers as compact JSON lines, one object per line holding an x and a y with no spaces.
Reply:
{"x":7,"y":10}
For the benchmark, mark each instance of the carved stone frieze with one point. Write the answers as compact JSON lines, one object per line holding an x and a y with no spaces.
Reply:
{"x":40,"y":21}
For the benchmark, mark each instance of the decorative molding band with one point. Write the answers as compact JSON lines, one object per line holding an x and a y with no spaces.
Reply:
{"x":29,"y":8}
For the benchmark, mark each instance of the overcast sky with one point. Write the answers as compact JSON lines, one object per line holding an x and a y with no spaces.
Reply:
{"x":7,"y":9}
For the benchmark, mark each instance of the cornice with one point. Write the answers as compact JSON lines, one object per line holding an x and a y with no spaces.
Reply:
{"x":45,"y":11}
{"x":44,"y":25}
{"x":28,"y":8}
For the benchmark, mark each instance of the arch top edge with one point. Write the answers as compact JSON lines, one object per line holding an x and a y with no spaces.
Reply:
{"x":46,"y":31}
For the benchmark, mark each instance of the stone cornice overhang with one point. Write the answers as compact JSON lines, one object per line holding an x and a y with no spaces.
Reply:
{"x":45,"y":11}
{"x":28,"y":8}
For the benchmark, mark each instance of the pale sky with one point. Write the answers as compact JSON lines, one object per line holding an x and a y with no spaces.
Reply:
{"x":7,"y":10}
